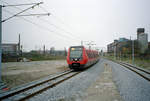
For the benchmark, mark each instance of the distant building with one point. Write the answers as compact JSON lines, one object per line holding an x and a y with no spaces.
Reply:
{"x":123,"y":40}
{"x":9,"y":48}
{"x":10,"y":52}
{"x":60,"y":53}
{"x":116,"y":45}
{"x":52,"y":50}
{"x":110,"y":47}
{"x":139,"y":31}
{"x":142,"y":40}
{"x":124,"y":46}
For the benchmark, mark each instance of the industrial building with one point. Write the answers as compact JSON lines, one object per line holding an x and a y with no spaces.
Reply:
{"x":117,"y":45}
{"x":124,"y":46}
{"x":9,"y":48}
{"x":11,"y":51}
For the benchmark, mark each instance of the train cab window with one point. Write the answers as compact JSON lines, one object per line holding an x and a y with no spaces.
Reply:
{"x":76,"y":52}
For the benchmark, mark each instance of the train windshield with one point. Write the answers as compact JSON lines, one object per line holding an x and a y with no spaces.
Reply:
{"x":76,"y":52}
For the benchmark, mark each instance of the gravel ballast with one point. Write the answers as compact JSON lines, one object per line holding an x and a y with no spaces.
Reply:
{"x":132,"y":87}
{"x":74,"y":88}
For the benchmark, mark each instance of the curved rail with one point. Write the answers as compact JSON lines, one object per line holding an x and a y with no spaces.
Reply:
{"x":141,"y":69}
{"x":142,"y":72}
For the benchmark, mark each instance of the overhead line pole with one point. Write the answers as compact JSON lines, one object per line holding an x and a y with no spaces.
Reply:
{"x":0,"y":43}
{"x":1,"y":21}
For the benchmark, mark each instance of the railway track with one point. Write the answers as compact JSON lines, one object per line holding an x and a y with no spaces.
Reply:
{"x":31,"y":90}
{"x":142,"y":72}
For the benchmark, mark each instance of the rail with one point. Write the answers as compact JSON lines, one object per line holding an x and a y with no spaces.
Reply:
{"x":23,"y":93}
{"x":140,"y":71}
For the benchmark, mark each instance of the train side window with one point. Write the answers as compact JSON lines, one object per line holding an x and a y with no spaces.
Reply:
{"x":90,"y":54}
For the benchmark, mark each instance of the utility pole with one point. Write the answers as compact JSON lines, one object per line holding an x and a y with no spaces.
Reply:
{"x":44,"y":49}
{"x":19,"y":45}
{"x":102,"y":52}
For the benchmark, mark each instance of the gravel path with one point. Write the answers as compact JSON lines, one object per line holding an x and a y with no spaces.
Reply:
{"x":104,"y":89}
{"x":132,"y":87}
{"x":74,"y":88}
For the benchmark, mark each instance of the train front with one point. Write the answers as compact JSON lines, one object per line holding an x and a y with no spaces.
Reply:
{"x":76,"y":57}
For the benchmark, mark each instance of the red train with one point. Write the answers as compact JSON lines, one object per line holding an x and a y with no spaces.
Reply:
{"x":79,"y":57}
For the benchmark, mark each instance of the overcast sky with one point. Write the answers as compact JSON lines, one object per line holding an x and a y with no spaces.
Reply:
{"x":71,"y":21}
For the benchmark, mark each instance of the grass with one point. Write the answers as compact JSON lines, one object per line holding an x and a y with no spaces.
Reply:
{"x":39,"y":57}
{"x":33,"y":57}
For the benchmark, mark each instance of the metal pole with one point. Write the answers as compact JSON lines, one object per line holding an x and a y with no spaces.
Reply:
{"x":19,"y":45}
{"x":133,"y":52}
{"x":0,"y":43}
{"x":44,"y":49}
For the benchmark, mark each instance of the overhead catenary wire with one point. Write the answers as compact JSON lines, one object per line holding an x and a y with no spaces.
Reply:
{"x":40,"y":26}
{"x":21,"y":12}
{"x":35,"y":14}
{"x":62,"y":22}
{"x":20,"y":4}
{"x":46,"y":21}
{"x":59,"y":20}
